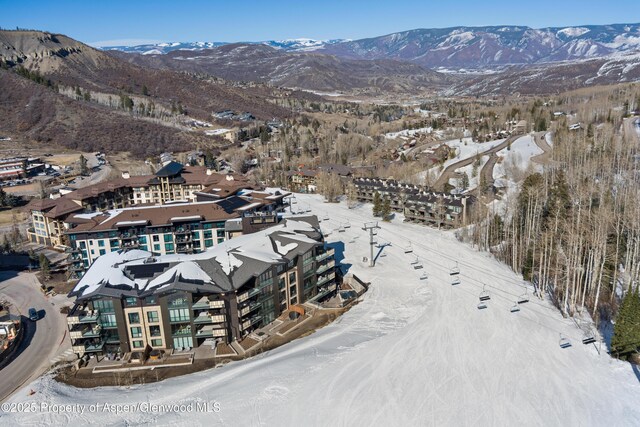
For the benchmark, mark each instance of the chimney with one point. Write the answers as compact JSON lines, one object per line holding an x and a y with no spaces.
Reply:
{"x":126,"y":175}
{"x":209,"y":171}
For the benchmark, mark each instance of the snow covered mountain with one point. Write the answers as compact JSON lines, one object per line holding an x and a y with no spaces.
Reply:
{"x":301,"y":44}
{"x":485,"y":47}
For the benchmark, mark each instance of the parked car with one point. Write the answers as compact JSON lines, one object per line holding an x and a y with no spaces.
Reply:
{"x":33,"y":314}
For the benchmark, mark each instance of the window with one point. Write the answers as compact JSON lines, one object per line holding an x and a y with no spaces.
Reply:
{"x":220,"y":233}
{"x":169,"y":247}
{"x":152,"y":316}
{"x":168,"y":238}
{"x":136,"y":332}
{"x":292,"y":278}
{"x":264,"y":277}
{"x":142,"y":239}
{"x":208,"y":243}
{"x":196,"y":234}
{"x":134,"y":318}
{"x":220,"y":240}
{"x":156,"y":238}
{"x":155,"y":331}
{"x":104,"y":306}
{"x":102,"y":251}
{"x":114,"y":243}
{"x":130,"y":301}
{"x":151,"y":299}
{"x":137,"y":344}
{"x":101,"y":243}
{"x":179,"y":315}
{"x":108,"y":320}
{"x":208,"y":234}
{"x":156,"y":248}
{"x":156,"y":343}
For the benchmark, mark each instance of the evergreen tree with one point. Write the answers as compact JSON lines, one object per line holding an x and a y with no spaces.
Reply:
{"x":386,"y":209}
{"x":377,"y":204}
{"x":45,"y":266}
{"x":84,"y":169}
{"x":626,"y":332}
{"x":465,"y":181}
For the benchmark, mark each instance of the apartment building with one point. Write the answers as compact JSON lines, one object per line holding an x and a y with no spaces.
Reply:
{"x":418,"y":204}
{"x":170,"y":184}
{"x":168,"y":229}
{"x":130,"y":300}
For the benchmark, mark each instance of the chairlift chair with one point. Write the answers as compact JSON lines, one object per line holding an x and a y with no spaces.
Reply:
{"x":418,"y":266}
{"x":524,"y":297}
{"x":455,"y":281}
{"x":455,"y":270}
{"x":325,"y":217}
{"x":341,"y":229}
{"x":424,"y":276}
{"x":482,"y":305}
{"x":588,"y":338}
{"x":383,"y":254}
{"x":564,"y":342}
{"x":347,"y":225}
{"x":408,"y":249}
{"x":484,"y":295}
{"x":515,"y":308}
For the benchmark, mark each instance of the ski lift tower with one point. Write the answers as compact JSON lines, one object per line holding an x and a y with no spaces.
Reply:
{"x":292,"y":200}
{"x":371,"y":227}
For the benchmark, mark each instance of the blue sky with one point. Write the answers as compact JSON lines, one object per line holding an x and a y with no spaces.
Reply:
{"x":94,"y":21}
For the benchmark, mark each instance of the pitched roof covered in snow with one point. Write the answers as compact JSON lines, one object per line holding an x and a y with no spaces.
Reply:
{"x":223,"y":268}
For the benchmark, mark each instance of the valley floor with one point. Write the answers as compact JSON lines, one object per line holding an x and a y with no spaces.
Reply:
{"x":412,"y":352}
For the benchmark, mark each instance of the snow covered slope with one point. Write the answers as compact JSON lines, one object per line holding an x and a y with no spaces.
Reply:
{"x":413,"y":352}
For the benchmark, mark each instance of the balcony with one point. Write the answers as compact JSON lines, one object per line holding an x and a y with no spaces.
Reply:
{"x":210,"y":331}
{"x":182,"y":230}
{"x":202,"y":304}
{"x":324,"y":267}
{"x":325,"y":279}
{"x":216,"y":304}
{"x":79,"y":315}
{"x":246,"y":295}
{"x":184,"y":239}
{"x":181,"y":332}
{"x":207,"y":319}
{"x":92,"y":347}
{"x":249,"y":308}
{"x":255,"y":319}
{"x":325,"y":255}
{"x":87,"y":332}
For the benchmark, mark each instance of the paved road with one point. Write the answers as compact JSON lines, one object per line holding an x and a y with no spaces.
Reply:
{"x":541,"y":142}
{"x":43,"y":339}
{"x":450,"y":170}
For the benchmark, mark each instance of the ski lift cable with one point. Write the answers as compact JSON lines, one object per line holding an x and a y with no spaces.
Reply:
{"x":481,"y":269}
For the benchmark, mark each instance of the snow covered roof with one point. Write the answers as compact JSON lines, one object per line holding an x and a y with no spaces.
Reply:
{"x":223,"y":268}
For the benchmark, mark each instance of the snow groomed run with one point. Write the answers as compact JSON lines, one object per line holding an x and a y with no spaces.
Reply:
{"x":415,"y":351}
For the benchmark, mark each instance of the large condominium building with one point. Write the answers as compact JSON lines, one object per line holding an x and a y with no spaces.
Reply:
{"x":171,"y":183}
{"x":131,"y":300}
{"x":168,"y":229}
{"x":417,"y":203}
